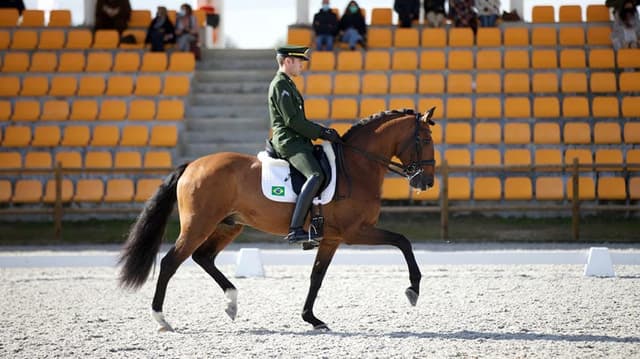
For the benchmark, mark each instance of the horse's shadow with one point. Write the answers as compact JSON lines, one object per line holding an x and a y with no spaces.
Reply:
{"x":465,"y":335}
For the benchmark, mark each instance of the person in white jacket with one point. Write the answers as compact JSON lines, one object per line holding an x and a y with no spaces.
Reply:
{"x":626,"y":27}
{"x":488,"y":11}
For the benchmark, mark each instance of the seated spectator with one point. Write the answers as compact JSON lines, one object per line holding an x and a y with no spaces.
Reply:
{"x":160,"y":31}
{"x":462,"y":14}
{"x":626,"y":27}
{"x":408,"y":10}
{"x":353,"y":27}
{"x":488,"y":11}
{"x":325,"y":25}
{"x":186,"y":29}
{"x":16,"y":4}
{"x":112,"y":15}
{"x":434,"y":13}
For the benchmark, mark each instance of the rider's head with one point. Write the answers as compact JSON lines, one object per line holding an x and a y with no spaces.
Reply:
{"x":290,"y":59}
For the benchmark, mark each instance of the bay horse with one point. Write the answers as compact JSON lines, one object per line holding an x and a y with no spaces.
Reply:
{"x":220,"y":193}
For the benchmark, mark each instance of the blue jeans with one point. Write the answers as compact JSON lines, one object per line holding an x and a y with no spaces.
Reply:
{"x":488,"y":20}
{"x":351,"y":36}
{"x":324,"y":41}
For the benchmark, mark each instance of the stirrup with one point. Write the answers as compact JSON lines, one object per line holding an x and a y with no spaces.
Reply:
{"x":298,"y":235}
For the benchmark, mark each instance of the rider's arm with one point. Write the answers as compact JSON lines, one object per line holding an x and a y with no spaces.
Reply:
{"x":293,"y":114}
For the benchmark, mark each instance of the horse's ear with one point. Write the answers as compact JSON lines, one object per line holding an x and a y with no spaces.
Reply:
{"x":428,"y":115}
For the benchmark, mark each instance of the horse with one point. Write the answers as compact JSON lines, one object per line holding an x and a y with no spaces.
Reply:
{"x":218,"y":194}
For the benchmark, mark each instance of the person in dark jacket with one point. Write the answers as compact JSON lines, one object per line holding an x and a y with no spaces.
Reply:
{"x":408,"y":10}
{"x":112,"y":14}
{"x":160,"y":31}
{"x":16,"y":4}
{"x":353,"y":27}
{"x":434,"y":13}
{"x":325,"y":25}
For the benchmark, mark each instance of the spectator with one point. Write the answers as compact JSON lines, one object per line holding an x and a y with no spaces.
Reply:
{"x":16,"y":4}
{"x":325,"y":25}
{"x":186,"y":29}
{"x":626,"y":27}
{"x":434,"y":13}
{"x":408,"y":10}
{"x":353,"y":27}
{"x":462,"y":13}
{"x":112,"y":15}
{"x":160,"y":31}
{"x":488,"y":11}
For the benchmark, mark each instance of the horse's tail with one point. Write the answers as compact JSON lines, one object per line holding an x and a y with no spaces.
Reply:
{"x":143,"y":242}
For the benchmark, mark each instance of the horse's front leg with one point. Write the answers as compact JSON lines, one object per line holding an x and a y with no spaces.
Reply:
{"x":376,"y":236}
{"x":323,"y":258}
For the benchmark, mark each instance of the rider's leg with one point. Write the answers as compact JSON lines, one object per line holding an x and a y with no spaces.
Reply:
{"x":309,"y":167}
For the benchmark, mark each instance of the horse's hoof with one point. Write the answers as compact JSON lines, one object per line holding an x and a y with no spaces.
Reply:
{"x":232,"y":303}
{"x":321,"y":328}
{"x":412,"y":295}
{"x":164,"y":325}
{"x":162,"y":329}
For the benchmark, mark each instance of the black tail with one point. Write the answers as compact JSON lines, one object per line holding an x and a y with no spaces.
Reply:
{"x":145,"y":236}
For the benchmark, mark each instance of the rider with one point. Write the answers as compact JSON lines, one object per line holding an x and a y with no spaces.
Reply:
{"x":292,"y":134}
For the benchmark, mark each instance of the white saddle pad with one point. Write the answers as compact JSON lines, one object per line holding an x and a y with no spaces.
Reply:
{"x":276,"y":178}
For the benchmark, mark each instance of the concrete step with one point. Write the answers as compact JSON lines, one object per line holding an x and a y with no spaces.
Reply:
{"x":240,"y":100}
{"x":239,"y":54}
{"x":245,"y":87}
{"x":226,"y":111}
{"x":227,"y":124}
{"x":235,"y":75}
{"x":193,"y":151}
{"x":224,"y":136}
{"x":238,"y":64}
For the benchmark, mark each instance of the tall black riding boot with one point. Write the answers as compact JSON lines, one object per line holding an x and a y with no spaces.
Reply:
{"x":303,"y":203}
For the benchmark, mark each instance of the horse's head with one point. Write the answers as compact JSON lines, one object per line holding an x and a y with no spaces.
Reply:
{"x":417,"y":153}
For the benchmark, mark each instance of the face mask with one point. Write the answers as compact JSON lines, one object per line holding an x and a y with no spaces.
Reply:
{"x":182,"y":12}
{"x":353,"y":9}
{"x":325,"y":7}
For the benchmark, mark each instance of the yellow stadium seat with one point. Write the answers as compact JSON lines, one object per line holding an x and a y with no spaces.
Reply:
{"x":487,"y":133}
{"x":91,"y":86}
{"x":66,"y":193}
{"x":431,"y":84}
{"x":545,"y":82}
{"x":126,"y":61}
{"x":127,"y":159}
{"x":488,"y":107}
{"x":633,"y":159}
{"x":632,"y":132}
{"x":105,"y":135}
{"x":147,"y":85}
{"x":346,"y":84}
{"x":574,"y":82}
{"x":577,"y":133}
{"x":516,"y":82}
{"x":5,"y":112}
{"x":38,"y":160}
{"x":145,"y":188}
{"x":572,"y":106}
{"x":599,"y":35}
{"x":631,"y":106}
{"x":406,"y":37}
{"x":344,"y":109}
{"x":634,"y":188}
{"x":547,"y":156}
{"x":10,"y":86}
{"x":154,"y":62}
{"x":517,"y":157}
{"x":487,"y":189}
{"x":55,"y":110}
{"x":89,"y":190}
{"x":457,"y":157}
{"x":460,"y":60}
{"x":601,"y":59}
{"x":434,"y":38}
{"x":488,"y":83}
{"x":316,"y":108}
{"x":27,"y":191}
{"x":404,"y":60}
{"x":119,"y":85}
{"x":572,"y":59}
{"x":605,"y":107}
{"x":34,"y":86}
{"x":629,"y":82}
{"x":585,"y":157}
{"x":140,"y":18}
{"x":394,"y":188}
{"x":436,"y":135}
{"x":112,"y":110}
{"x":369,"y":106}
{"x":516,"y":36}
{"x":488,"y":60}
{"x":5,"y":39}
{"x":299,"y":82}
{"x":299,"y":36}
{"x":15,"y":62}
{"x":461,"y":37}
{"x":76,"y":136}
{"x":544,"y":59}
{"x":488,"y":37}
{"x":170,"y":110}
{"x":51,"y":40}
{"x":157,"y":159}
{"x":377,"y":60}
{"x":10,"y":160}
{"x":78,"y":39}
{"x":516,"y":59}
{"x":24,"y":40}
{"x":605,"y":133}
{"x":543,"y":14}
{"x":546,"y":133}
{"x":63,"y":86}
{"x":543,"y":36}
{"x":134,"y":136}
{"x":458,"y":108}
{"x":373,"y":83}
{"x":570,"y":13}
{"x":59,"y":18}
{"x":69,"y":159}
{"x":99,"y":61}
{"x":400,"y":103}
{"x":517,"y":107}
{"x":598,"y":13}
{"x":571,"y":36}
{"x":32,"y":18}
{"x":182,"y":62}
{"x":607,"y":159}
{"x":142,"y":110}
{"x":517,"y":189}
{"x":586,"y":189}
{"x":43,"y":62}
{"x":349,"y":61}
{"x":402,"y":83}
{"x":71,"y":62}
{"x":84,"y":110}
{"x":549,"y":107}
{"x":605,"y":82}
{"x":98,"y":159}
{"x":379,"y":38}
{"x":549,"y":189}
{"x":517,"y":133}
{"x":176,"y":85}
{"x":628,"y":58}
{"x":8,"y":17}
{"x":381,"y":16}
{"x":106,"y":39}
{"x":459,"y":189}
{"x":458,"y":134}
{"x":432,"y":60}
{"x":318,"y":84}
{"x":458,"y":83}
{"x":611,"y":188}
{"x":26,"y":110}
{"x":322,"y":61}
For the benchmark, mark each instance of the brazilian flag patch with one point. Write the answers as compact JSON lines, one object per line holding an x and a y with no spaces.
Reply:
{"x":277,"y":191}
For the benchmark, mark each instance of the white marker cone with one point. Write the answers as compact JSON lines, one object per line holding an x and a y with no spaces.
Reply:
{"x":249,"y":263}
{"x":599,"y":263}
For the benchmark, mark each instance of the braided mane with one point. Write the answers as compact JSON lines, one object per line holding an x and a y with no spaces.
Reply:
{"x":376,"y":118}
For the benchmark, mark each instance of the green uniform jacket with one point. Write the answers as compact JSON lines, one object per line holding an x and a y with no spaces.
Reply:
{"x":292,"y":132}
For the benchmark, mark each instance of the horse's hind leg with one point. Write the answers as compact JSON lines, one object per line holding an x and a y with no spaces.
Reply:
{"x":206,"y":254}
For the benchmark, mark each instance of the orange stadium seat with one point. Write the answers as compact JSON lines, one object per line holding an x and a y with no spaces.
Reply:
{"x":71,"y":62}
{"x":181,"y":62}
{"x":126,"y":61}
{"x":458,"y":83}
{"x":5,"y":39}
{"x":517,"y":189}
{"x":147,"y":85}
{"x":634,"y":188}
{"x":611,"y":188}
{"x":598,"y":13}
{"x":374,"y":84}
{"x":549,"y":189}
{"x":402,"y":103}
{"x":318,"y":84}
{"x":34,"y":86}
{"x":10,"y":86}
{"x":517,"y":107}
{"x":394,"y":188}
{"x":140,"y":18}
{"x":605,"y":107}
{"x":69,"y":159}
{"x":157,"y":159}
{"x":487,"y":189}
{"x":51,"y":40}
{"x":379,"y":38}
{"x":516,"y":59}
{"x":299,"y":36}
{"x":106,"y":39}
{"x":571,"y":36}
{"x":599,"y":35}
{"x":344,"y":109}
{"x":27,"y":191}
{"x":346,"y":84}
{"x":66,"y":193}
{"x":145,"y":188}
{"x":607,"y":159}
{"x":59,"y":18}
{"x":458,"y":133}
{"x":574,"y":82}
{"x":544,"y":59}
{"x":570,"y":13}
{"x":488,"y":83}
{"x":629,"y":81}
{"x":316,"y":109}
{"x":79,"y":39}
{"x":154,"y":62}
{"x":601,"y":59}
{"x":488,"y":37}
{"x":127,"y":159}
{"x":112,"y":110}
{"x":119,"y":85}
{"x":37,"y":159}
{"x":434,"y":38}
{"x":10,"y":160}
{"x":487,"y":133}
{"x":322,"y":61}
{"x":402,"y":83}
{"x":43,"y":62}
{"x":628,"y":58}
{"x":516,"y":82}
{"x":63,"y":86}
{"x":406,"y":37}
{"x":631,"y":106}
{"x":24,"y":40}
{"x":432,"y":60}
{"x":377,"y":60}
{"x":547,"y":156}
{"x":15,"y":62}
{"x":577,"y":133}
{"x":546,"y":133}
{"x":605,"y":133}
{"x":488,"y":107}
{"x":457,"y":157}
{"x":349,"y":61}
{"x":9,"y":17}
{"x":32,"y":18}
{"x":460,"y":60}
{"x":381,"y":16}
{"x":176,"y":85}
{"x":517,"y":133}
{"x":98,"y":159}
{"x":89,"y":190}
{"x":461,"y":37}
{"x":404,"y":60}
{"x":170,"y":110}
{"x":572,"y":106}
{"x":369,"y":106}
{"x":26,"y":110}
{"x":545,"y":82}
{"x":76,"y":136}
{"x":600,"y":82}
{"x":572,"y":59}
{"x":543,"y":14}
{"x":134,"y":136}
{"x":55,"y":110}
{"x":142,"y":110}
{"x":99,"y":61}
{"x":586,"y":189}
{"x":543,"y":36}
{"x":459,"y":188}
{"x":516,"y":36}
{"x":84,"y":110}
{"x":548,"y":107}
{"x":458,"y":108}
{"x":5,"y":111}
{"x":105,"y":135}
{"x":632,"y":132}
{"x":431,"y":84}
{"x":488,"y":60}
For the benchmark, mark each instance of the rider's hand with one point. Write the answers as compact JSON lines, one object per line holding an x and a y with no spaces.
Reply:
{"x":330,"y":134}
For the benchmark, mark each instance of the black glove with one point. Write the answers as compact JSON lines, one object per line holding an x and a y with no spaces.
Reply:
{"x":330,"y":135}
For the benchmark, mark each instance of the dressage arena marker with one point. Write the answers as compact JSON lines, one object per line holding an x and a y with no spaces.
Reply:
{"x":599,"y":263}
{"x":249,"y":263}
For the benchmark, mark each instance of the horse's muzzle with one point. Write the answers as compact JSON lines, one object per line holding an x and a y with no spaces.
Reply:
{"x":422,"y":182}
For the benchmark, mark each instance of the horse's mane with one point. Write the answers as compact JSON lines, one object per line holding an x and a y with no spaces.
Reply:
{"x":376,"y":118}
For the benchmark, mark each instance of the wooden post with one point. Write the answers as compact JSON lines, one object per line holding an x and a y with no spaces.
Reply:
{"x":57,"y":209}
{"x":575,"y":219}
{"x":444,"y":202}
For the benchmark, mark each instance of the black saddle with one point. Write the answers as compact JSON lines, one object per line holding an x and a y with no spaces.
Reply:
{"x":297,"y":178}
